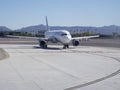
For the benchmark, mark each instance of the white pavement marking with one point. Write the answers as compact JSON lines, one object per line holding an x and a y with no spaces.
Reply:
{"x":30,"y":68}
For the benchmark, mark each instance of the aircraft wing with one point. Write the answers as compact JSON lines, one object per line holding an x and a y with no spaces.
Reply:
{"x":85,"y":37}
{"x":26,"y":37}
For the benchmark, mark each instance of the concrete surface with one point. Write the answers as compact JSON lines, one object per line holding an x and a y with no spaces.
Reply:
{"x":106,"y":42}
{"x":82,"y":68}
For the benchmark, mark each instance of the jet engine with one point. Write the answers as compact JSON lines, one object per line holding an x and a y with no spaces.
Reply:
{"x":43,"y":44}
{"x":75,"y":42}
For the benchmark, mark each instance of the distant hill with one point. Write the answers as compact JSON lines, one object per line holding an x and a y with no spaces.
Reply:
{"x":35,"y":28}
{"x":105,"y":30}
{"x":108,"y":30}
{"x":3,"y":28}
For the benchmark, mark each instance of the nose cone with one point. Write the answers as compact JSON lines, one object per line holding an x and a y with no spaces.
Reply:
{"x":67,"y":39}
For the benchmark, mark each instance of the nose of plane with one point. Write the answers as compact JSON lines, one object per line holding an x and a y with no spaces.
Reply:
{"x":67,"y":39}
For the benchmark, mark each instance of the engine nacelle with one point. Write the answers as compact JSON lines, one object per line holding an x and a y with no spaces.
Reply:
{"x":43,"y":44}
{"x":75,"y":42}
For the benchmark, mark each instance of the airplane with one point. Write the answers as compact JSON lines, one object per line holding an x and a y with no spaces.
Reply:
{"x":57,"y":36}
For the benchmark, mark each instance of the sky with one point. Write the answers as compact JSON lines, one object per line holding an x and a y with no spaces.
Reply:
{"x":16,"y":14}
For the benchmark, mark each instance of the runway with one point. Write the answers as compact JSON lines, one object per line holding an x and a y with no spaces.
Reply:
{"x":106,"y":42}
{"x":78,"y":68}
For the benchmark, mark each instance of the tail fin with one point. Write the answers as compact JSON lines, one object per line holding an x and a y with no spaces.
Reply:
{"x":47,"y":27}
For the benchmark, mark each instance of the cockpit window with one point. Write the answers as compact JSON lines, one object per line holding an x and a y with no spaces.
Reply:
{"x":63,"y":34}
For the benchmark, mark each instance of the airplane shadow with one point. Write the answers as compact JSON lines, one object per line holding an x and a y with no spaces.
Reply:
{"x":49,"y":48}
{"x":54,"y":48}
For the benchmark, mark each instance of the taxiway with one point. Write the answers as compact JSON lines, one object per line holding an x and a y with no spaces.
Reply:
{"x":82,"y":68}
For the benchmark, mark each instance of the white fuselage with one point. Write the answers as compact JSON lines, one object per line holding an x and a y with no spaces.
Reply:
{"x":61,"y":36}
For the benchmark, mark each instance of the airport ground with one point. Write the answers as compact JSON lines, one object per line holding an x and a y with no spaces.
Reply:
{"x":106,"y":42}
{"x":94,"y":65}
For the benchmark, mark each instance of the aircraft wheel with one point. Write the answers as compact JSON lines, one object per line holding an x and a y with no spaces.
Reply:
{"x":65,"y":46}
{"x":43,"y":44}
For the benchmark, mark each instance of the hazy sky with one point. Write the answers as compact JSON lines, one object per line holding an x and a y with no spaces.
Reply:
{"x":16,"y":14}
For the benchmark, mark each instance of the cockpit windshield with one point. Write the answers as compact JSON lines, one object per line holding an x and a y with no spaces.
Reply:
{"x":63,"y":34}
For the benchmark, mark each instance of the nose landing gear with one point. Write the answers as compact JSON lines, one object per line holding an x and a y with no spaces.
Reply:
{"x":65,"y":46}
